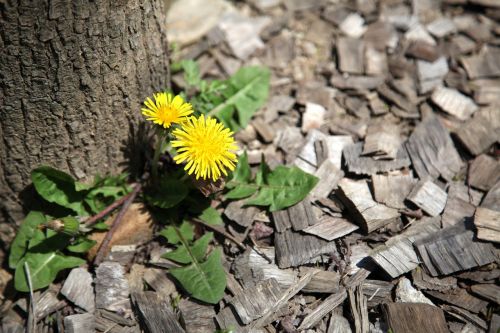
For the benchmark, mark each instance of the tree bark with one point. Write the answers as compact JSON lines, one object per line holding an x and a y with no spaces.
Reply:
{"x":73,"y":76}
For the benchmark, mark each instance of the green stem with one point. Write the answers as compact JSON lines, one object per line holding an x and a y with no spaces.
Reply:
{"x":156,"y":156}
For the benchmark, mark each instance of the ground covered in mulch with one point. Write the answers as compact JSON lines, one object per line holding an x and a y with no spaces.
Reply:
{"x":394,"y":105}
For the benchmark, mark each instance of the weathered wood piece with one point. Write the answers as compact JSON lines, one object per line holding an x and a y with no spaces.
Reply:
{"x":465,"y":316}
{"x":265,"y":131}
{"x":359,"y":309}
{"x":322,"y":281}
{"x":350,"y":52}
{"x":397,"y":255}
{"x":489,"y":291}
{"x":313,"y":117}
{"x":111,"y":287}
{"x":423,"y":281}
{"x":375,"y":62}
{"x":367,"y":165}
{"x":329,"y":175}
{"x":487,"y":223}
{"x":331,"y":228}
{"x":244,"y":216}
{"x":158,"y":280}
{"x":369,"y":214}
{"x":155,"y":313}
{"x":484,"y":172}
{"x":461,"y":204}
{"x":294,"y":248}
{"x":78,"y":289}
{"x":327,"y":306}
{"x":284,"y":298}
{"x":396,"y":98}
{"x":356,"y":82}
{"x":422,"y":50}
{"x":197,"y":318}
{"x":460,"y":297}
{"x":481,"y":131}
{"x":441,"y":27}
{"x":338,"y":324}
{"x":79,"y":323}
{"x":353,"y":25}
{"x":453,"y":249}
{"x":431,"y":74}
{"x":254,"y":302}
{"x":453,"y":102}
{"x":382,"y":141}
{"x":429,"y":197}
{"x":432,"y":151}
{"x":392,"y":190}
{"x":377,"y":292}
{"x":414,"y":318}
{"x":484,"y":64}
{"x":298,"y":217}
{"x":494,"y":324}
{"x":492,"y":198}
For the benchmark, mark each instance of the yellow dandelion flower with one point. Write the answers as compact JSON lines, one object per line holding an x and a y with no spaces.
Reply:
{"x":206,"y":146}
{"x":166,"y":109}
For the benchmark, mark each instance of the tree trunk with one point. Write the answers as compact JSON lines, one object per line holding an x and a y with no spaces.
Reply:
{"x":73,"y":75}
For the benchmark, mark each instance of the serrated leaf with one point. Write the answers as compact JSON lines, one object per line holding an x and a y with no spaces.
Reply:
{"x":285,"y":187}
{"x":247,"y":91}
{"x":211,"y":216}
{"x":58,"y":187}
{"x":168,"y":193}
{"x":262,"y":173}
{"x":198,"y":250}
{"x":241,"y":191}
{"x":204,"y":281}
{"x":241,"y":173}
{"x":191,"y":73}
{"x":186,"y":230}
{"x":43,"y":269}
{"x":81,"y":245}
{"x":24,"y":235}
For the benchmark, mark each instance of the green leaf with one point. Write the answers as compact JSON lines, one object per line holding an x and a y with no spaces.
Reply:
{"x":168,"y":193}
{"x":191,"y":73}
{"x":242,"y":173}
{"x":81,"y":245}
{"x":284,"y":188}
{"x":186,"y":230}
{"x":262,"y":173}
{"x":58,"y":187}
{"x":211,"y":216}
{"x":24,"y":235}
{"x":43,"y":269}
{"x":100,"y":226}
{"x":198,"y":250}
{"x":241,"y":191}
{"x":247,"y":91}
{"x":204,"y":281}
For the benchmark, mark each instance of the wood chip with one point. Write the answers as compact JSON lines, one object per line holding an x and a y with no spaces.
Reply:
{"x":351,"y":52}
{"x":430,"y":74}
{"x":487,"y":223}
{"x":327,"y":306}
{"x":79,"y":323}
{"x":331,"y":228}
{"x":441,"y":27}
{"x":425,"y":282}
{"x":294,"y":249}
{"x":484,"y":64}
{"x":158,"y":280}
{"x":406,"y":293}
{"x":366,"y":165}
{"x":375,"y":62}
{"x":392,"y":190}
{"x":489,"y":291}
{"x":461,"y":204}
{"x":298,"y":217}
{"x":78,"y":289}
{"x":359,"y":309}
{"x":313,"y":117}
{"x":265,"y":131}
{"x":453,"y":249}
{"x":397,"y":255}
{"x":243,"y":215}
{"x":356,"y":82}
{"x":453,"y":102}
{"x":429,"y":197}
{"x":414,"y":318}
{"x":338,"y":324}
{"x":329,"y":175}
{"x":465,"y":316}
{"x":155,"y":313}
{"x":197,"y":317}
{"x":377,"y":292}
{"x":369,"y":214}
{"x":423,"y":51}
{"x":479,"y":133}
{"x":461,"y":298}
{"x":484,"y":172}
{"x":111,"y":287}
{"x":353,"y":25}
{"x":382,"y":141}
{"x":432,"y":151}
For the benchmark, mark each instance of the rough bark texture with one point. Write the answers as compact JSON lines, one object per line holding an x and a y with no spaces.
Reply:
{"x":73,"y":77}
